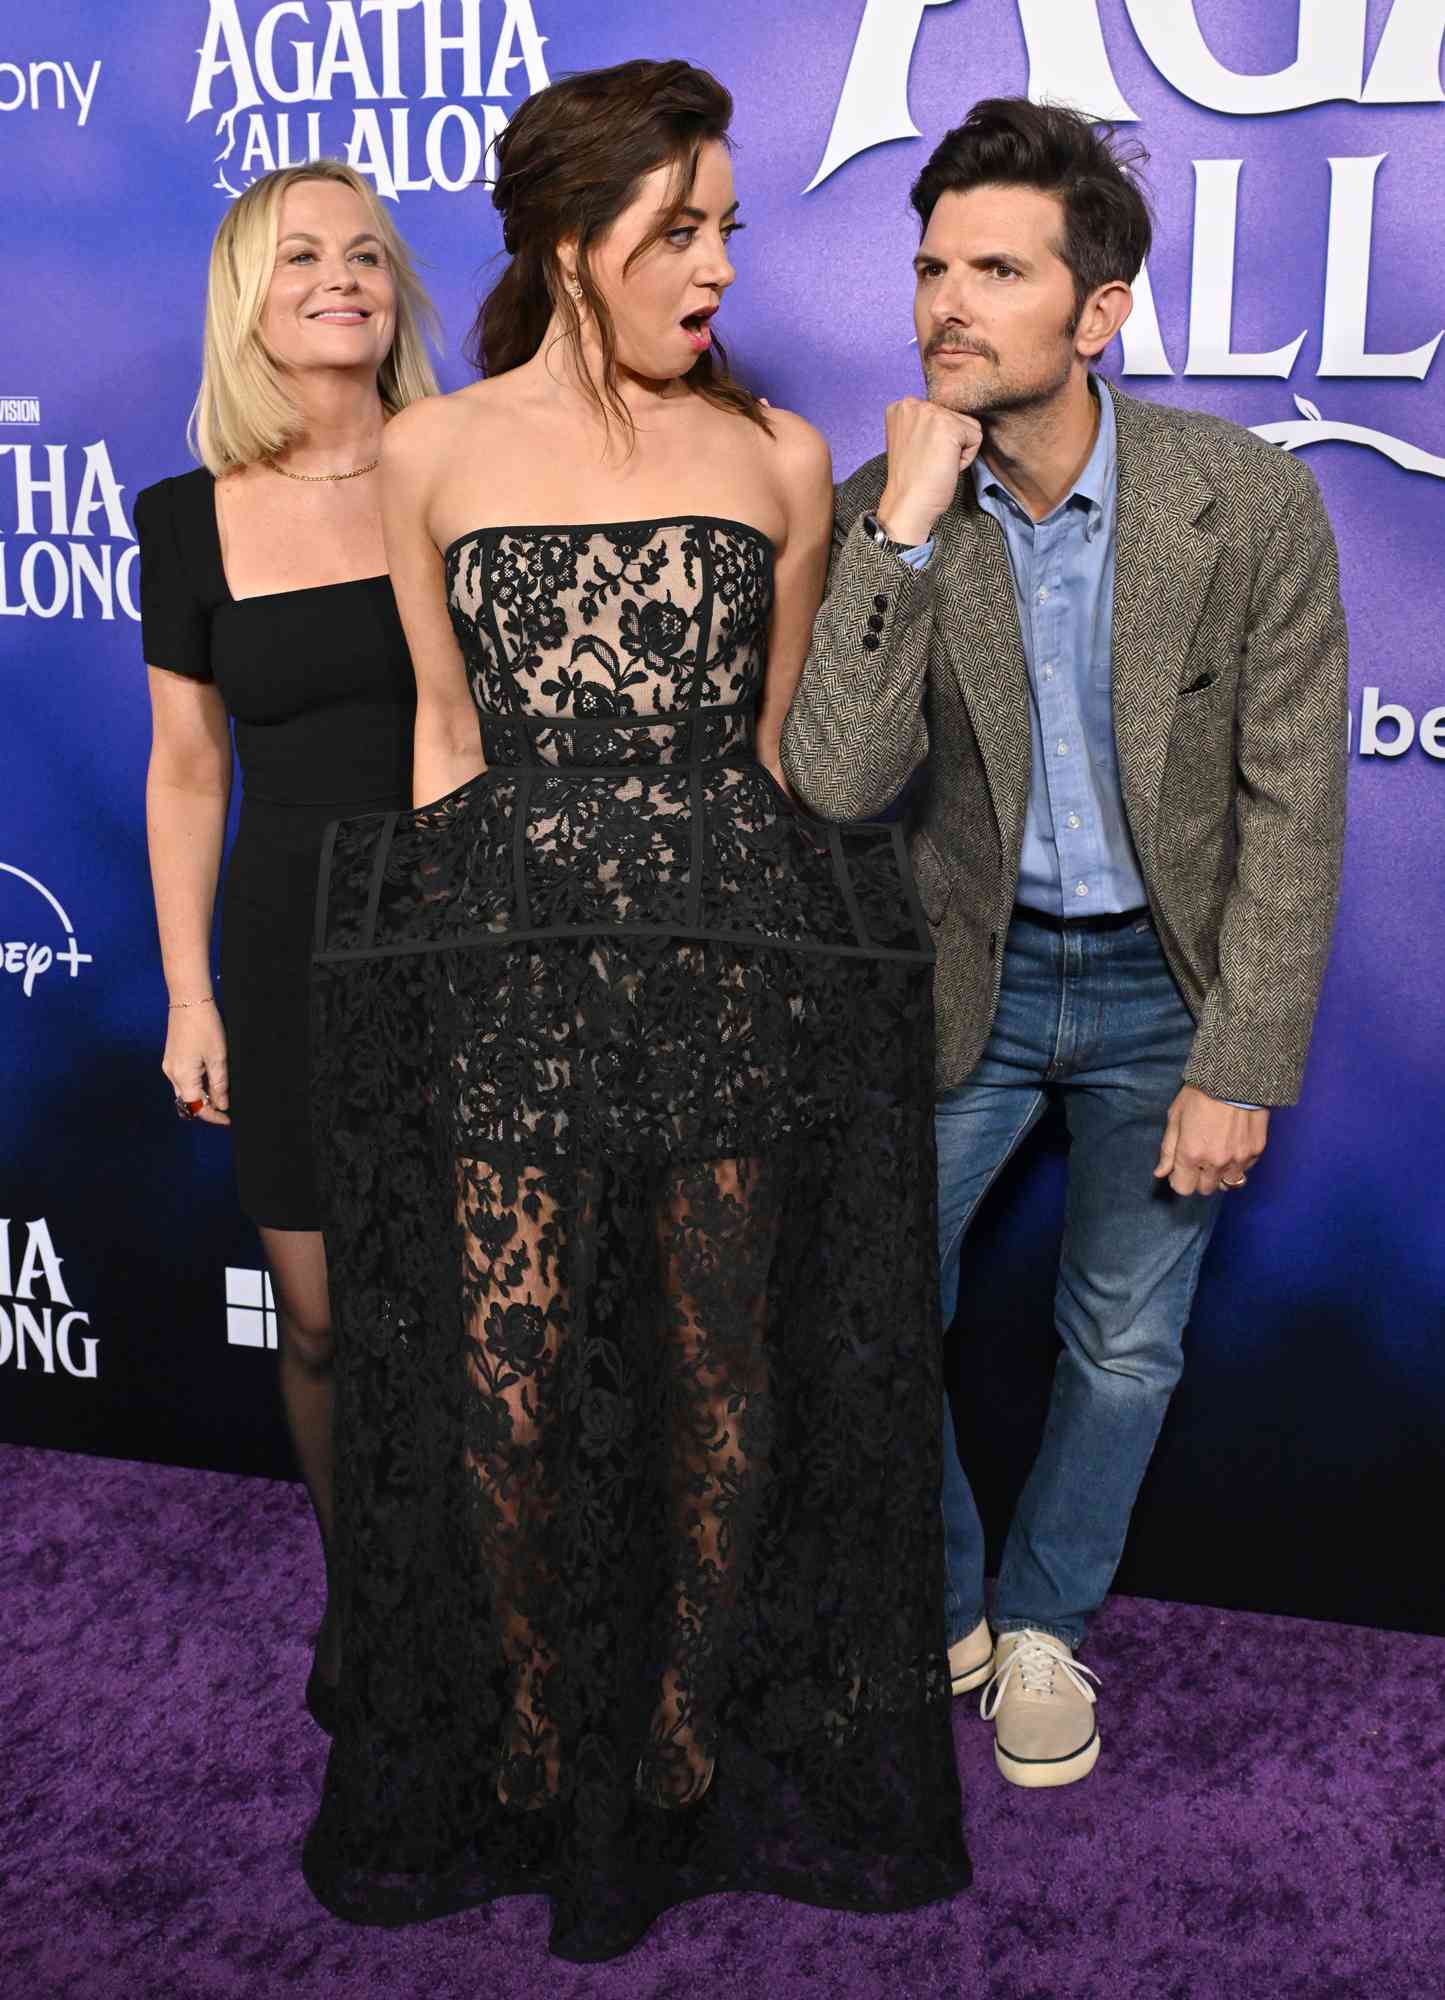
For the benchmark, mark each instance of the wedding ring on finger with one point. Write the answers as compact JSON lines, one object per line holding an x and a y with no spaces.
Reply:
{"x":188,"y":1107}
{"x":1235,"y":1184}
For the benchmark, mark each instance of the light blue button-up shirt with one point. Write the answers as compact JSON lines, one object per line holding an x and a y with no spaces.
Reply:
{"x":1078,"y":858}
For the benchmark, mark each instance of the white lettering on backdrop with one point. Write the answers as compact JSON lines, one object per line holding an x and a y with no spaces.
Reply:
{"x":27,"y":956}
{"x":1069,"y":64}
{"x":366,"y":47}
{"x":44,"y":86}
{"x":83,"y":555}
{"x":32,"y":1331}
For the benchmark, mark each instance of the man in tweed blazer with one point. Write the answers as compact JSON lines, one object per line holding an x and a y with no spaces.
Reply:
{"x":1113,"y":641}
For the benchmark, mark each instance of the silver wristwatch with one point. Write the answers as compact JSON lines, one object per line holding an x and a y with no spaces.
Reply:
{"x":875,"y":532}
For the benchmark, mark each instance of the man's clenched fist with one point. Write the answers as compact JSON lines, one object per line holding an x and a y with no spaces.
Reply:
{"x":928,"y":447}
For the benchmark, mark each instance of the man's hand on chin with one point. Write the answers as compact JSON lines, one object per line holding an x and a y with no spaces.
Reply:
{"x":928,"y":447}
{"x":1208,"y":1144}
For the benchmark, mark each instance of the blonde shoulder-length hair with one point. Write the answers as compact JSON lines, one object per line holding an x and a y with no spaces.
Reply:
{"x":244,"y":412}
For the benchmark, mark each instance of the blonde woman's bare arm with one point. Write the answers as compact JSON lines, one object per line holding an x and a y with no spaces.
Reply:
{"x":188,"y":789}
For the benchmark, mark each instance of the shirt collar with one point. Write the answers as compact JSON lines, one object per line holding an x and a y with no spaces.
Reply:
{"x":1094,"y":484}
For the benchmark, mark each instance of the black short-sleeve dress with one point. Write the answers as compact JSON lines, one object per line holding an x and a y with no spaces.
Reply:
{"x":319,"y":688}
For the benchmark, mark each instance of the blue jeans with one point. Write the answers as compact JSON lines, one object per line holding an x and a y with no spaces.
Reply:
{"x":1095,"y":1018}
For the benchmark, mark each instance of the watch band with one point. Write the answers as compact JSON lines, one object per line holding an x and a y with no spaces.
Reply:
{"x":873,"y":528}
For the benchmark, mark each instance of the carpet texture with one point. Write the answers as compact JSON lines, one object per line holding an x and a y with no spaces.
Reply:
{"x":1265,"y":1823}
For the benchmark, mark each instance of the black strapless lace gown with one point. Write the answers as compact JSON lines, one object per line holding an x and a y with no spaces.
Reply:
{"x":624,"y":1086}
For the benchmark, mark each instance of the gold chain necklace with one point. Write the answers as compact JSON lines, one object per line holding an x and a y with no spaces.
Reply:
{"x":323,"y":478}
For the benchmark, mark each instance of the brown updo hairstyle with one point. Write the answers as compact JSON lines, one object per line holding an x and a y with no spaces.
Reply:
{"x":568,"y":164}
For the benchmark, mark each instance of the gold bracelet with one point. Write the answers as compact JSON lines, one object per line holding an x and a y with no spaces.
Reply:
{"x":208,"y":1000}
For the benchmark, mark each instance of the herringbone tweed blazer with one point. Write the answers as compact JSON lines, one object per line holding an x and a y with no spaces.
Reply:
{"x":1230,"y":696}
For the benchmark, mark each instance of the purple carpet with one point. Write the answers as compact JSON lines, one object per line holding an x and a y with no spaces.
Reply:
{"x":1266,"y":1822}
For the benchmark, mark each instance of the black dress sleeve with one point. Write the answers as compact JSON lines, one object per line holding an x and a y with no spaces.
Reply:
{"x":175,"y":604}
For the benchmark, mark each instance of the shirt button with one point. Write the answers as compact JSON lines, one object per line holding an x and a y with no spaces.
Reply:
{"x":1062,"y":747}
{"x":1043,"y":594}
{"x":1073,"y":822}
{"x":1048,"y":673}
{"x":1081,"y":888}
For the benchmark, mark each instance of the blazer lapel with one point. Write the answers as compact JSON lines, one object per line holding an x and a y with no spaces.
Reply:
{"x":1164,"y":560}
{"x":979,"y":623}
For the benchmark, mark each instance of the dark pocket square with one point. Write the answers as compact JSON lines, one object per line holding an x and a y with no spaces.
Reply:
{"x":1198,"y":686}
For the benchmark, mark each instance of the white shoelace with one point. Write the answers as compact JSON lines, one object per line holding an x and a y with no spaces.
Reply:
{"x":1035,"y":1662}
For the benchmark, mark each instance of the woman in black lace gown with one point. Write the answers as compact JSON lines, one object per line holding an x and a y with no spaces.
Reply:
{"x":624,"y":1067}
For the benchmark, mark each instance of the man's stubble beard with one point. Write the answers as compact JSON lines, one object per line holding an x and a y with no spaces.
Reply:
{"x":995,"y":395}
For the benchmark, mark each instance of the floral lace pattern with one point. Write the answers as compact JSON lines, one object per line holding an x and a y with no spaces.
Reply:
{"x":624,"y":1082}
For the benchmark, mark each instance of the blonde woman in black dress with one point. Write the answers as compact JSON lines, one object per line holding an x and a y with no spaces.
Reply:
{"x":624,"y":1068}
{"x":266,"y":608}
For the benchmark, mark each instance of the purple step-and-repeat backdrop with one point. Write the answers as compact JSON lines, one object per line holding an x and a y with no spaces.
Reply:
{"x":1297,"y":286}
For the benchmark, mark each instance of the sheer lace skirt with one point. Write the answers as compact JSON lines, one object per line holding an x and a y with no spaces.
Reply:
{"x":639,"y":1549}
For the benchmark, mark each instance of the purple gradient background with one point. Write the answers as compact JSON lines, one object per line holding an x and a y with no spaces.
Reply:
{"x":1317,"y":1360}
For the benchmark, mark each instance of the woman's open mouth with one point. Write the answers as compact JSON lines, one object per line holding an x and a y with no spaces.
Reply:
{"x":696,"y":327}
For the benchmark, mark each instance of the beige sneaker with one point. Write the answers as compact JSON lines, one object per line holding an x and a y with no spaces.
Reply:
{"x":1042,"y":1709}
{"x":970,"y":1659}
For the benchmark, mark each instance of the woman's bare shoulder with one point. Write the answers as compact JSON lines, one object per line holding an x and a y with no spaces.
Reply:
{"x":436,"y":423}
{"x":798,"y":460}
{"x":796,"y":443}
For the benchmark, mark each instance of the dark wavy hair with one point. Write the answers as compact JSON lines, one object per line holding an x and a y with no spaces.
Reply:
{"x":568,"y":164}
{"x":1009,"y":142}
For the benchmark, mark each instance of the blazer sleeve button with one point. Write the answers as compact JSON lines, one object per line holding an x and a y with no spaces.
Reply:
{"x":880,"y":604}
{"x":875,"y":623}
{"x":870,"y":642}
